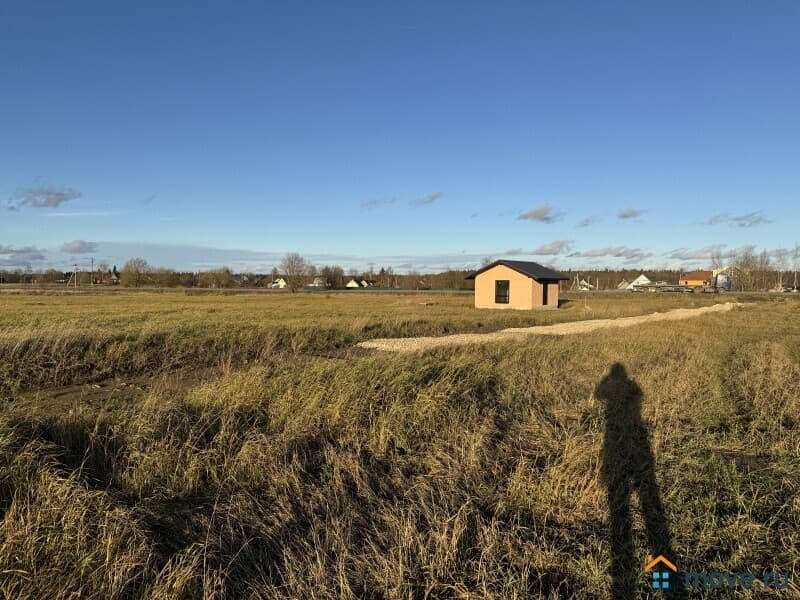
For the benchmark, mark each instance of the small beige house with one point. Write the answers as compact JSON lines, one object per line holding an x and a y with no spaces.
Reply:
{"x":516,"y":284}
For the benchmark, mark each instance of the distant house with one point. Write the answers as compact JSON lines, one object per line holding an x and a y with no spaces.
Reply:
{"x":355,"y":282}
{"x":278,"y":284}
{"x":640,"y":280}
{"x":623,"y":285}
{"x":516,"y":284}
{"x":696,"y":279}
{"x":319,"y":283}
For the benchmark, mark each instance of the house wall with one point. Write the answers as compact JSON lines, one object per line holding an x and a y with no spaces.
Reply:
{"x":552,"y":294}
{"x":524,"y":293}
{"x":520,"y":288}
{"x":538,"y":294}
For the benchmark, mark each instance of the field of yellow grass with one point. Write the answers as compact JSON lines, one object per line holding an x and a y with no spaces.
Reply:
{"x":57,"y":339}
{"x":263,"y":456}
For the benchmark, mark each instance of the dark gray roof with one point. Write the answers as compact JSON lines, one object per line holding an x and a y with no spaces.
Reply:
{"x":531,"y":269}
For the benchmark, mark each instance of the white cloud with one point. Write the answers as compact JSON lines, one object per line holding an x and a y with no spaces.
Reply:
{"x":377,"y":203}
{"x":585,"y":222}
{"x":629,"y":254}
{"x":42,"y":196}
{"x":751,"y":219}
{"x":79,"y":247}
{"x":426,"y":200}
{"x":543,"y":214}
{"x":630,"y":213}
{"x":20,"y":257}
{"x":553,"y":248}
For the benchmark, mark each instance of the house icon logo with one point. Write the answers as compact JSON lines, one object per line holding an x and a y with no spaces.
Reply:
{"x":662,"y":571}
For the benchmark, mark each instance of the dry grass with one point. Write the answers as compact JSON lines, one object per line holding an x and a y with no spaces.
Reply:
{"x":472,"y":472}
{"x":419,"y":344}
{"x":60,"y":339}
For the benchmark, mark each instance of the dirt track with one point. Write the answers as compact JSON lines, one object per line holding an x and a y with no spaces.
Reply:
{"x":426,"y":343}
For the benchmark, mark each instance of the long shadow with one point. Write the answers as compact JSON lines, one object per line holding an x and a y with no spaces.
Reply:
{"x":628,"y":466}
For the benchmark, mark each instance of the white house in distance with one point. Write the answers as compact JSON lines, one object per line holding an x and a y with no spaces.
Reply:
{"x":355,"y":283}
{"x":278,"y":284}
{"x":640,"y":280}
{"x":318,"y":282}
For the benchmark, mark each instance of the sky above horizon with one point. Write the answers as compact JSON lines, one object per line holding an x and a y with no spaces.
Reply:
{"x":418,"y":135}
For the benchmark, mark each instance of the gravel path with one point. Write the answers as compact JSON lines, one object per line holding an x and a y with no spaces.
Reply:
{"x":416,"y":344}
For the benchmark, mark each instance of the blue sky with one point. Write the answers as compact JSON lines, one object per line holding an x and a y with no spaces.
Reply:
{"x":421,"y":135}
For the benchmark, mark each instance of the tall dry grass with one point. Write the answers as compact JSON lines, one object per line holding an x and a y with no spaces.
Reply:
{"x":58,"y":340}
{"x":470,"y":472}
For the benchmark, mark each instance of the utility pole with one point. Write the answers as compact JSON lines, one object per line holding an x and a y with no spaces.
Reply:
{"x":75,"y":272}
{"x":91,"y":280}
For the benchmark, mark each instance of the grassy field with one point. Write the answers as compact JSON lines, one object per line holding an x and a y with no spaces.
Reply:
{"x":278,"y":463}
{"x":59,"y":339}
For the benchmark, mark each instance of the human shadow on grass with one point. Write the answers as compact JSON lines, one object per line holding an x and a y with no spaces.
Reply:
{"x":628,"y":466}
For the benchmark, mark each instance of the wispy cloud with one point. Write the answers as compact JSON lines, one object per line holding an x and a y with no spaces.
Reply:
{"x":82,"y":213}
{"x":426,"y":200}
{"x":20,"y":257}
{"x":588,"y":221}
{"x":553,"y":248}
{"x":629,"y":254}
{"x":149,"y":199}
{"x":377,"y":203}
{"x":630,"y":213}
{"x":79,"y":247}
{"x":549,"y":249}
{"x":705,"y":253}
{"x":709,"y":252}
{"x":718,"y":219}
{"x":751,"y":219}
{"x":41,"y":196}
{"x":543,"y":214}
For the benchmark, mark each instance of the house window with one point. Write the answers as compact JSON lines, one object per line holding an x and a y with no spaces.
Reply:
{"x":501,"y":294}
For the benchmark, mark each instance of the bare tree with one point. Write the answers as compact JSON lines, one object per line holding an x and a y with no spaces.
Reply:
{"x":333,"y":276}
{"x":391,"y":280}
{"x":216,"y":278}
{"x":295,"y":268}
{"x":764,"y":267}
{"x":717,"y":259}
{"x":746,"y":265}
{"x":135,"y":272}
{"x":781,"y":263}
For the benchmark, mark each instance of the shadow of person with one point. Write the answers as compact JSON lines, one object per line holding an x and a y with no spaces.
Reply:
{"x":628,"y":466}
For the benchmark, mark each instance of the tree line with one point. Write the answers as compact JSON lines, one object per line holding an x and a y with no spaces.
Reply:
{"x":751,"y":271}
{"x":294,"y":269}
